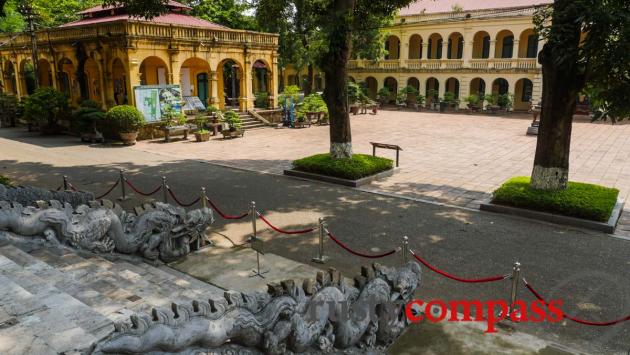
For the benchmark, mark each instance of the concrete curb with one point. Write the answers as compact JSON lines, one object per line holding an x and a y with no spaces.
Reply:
{"x":608,"y":227}
{"x":339,"y":181}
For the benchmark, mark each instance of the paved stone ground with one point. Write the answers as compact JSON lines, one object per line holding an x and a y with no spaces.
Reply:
{"x":587,"y":269}
{"x":455,"y":159}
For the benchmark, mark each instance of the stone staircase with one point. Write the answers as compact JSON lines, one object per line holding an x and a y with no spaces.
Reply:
{"x":249,"y":122}
{"x":55,"y":301}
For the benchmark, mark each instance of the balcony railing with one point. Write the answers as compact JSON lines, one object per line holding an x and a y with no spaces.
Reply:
{"x":145,"y":30}
{"x":444,"y":64}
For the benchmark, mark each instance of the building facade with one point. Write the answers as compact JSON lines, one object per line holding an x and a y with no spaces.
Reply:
{"x":460,"y":46}
{"x":105,"y":54}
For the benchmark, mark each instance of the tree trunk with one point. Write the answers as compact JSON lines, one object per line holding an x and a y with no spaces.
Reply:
{"x":308,"y":88}
{"x":562,"y":82}
{"x":334,"y":65}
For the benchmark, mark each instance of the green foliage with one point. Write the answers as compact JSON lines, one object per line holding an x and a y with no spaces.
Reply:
{"x":8,"y":108}
{"x":46,"y":106}
{"x":13,"y":21}
{"x":87,"y":116}
{"x":449,"y":97}
{"x":505,"y":101}
{"x":491,"y":99}
{"x":127,"y":119}
{"x":173,"y":117}
{"x":420,"y":99}
{"x":229,"y":13}
{"x":578,"y":200}
{"x":355,"y":93}
{"x":232,"y":119}
{"x":359,"y":166}
{"x":384,"y":94}
{"x":292,"y":92}
{"x":49,"y":13}
{"x":433,"y":94}
{"x":200,"y":122}
{"x":472,"y":100}
{"x":5,"y":181}
{"x":261,"y":99}
{"x":141,"y":8}
{"x":313,"y":103}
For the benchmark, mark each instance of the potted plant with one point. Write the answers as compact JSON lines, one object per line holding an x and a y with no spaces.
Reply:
{"x":85,"y":120}
{"x":472,"y":102}
{"x":355,"y":93}
{"x":383,"y":95}
{"x":420,"y":100}
{"x":505,"y":102}
{"x":202,"y":134}
{"x":232,"y":119}
{"x":262,"y":100}
{"x":212,"y":111}
{"x":46,"y":107}
{"x":173,"y":118}
{"x":128,"y":121}
{"x":432,"y":99}
{"x":492,"y":103}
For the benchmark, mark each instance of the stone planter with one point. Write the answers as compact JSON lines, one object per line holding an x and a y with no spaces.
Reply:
{"x":202,"y":137}
{"x":128,"y":138}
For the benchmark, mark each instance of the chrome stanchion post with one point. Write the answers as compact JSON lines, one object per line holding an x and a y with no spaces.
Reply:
{"x":164,"y":190}
{"x":516,"y":276}
{"x":65,"y":183}
{"x":122,"y":186}
{"x":405,"y":250}
{"x":321,"y":259}
{"x":204,"y":198}
{"x":254,"y":216}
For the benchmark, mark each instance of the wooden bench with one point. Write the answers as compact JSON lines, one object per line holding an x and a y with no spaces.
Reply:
{"x":387,"y":146}
{"x":225,"y":131}
{"x":169,"y":131}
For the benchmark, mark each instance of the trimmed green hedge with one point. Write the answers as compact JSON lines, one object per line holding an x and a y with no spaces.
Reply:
{"x":359,"y":166}
{"x":579,"y":200}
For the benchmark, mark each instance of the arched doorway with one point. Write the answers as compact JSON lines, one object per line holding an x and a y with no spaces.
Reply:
{"x":528,"y":44}
{"x":477,"y":87}
{"x":28,"y":76}
{"x":92,"y":80}
{"x":9,"y":78}
{"x":500,"y":86}
{"x":261,"y":83}
{"x":523,"y":94}
{"x":120,"y":82}
{"x":392,"y":46}
{"x":372,"y":87}
{"x":452,"y":86}
{"x":67,"y":79}
{"x":432,"y":91}
{"x":415,"y":47}
{"x":230,"y":76}
{"x":153,"y":71}
{"x":415,"y":84}
{"x":194,"y":79}
{"x":455,"y":48}
{"x":44,"y":77}
{"x":481,"y":45}
{"x":434,"y":50}
{"x":392,"y":85}
{"x":505,"y":44}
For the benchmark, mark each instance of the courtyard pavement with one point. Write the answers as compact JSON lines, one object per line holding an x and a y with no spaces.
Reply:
{"x":455,"y":159}
{"x":588,"y":270}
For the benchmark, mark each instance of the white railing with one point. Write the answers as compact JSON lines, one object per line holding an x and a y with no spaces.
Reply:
{"x":414,"y":63}
{"x":453,"y":64}
{"x":479,"y":63}
{"x":444,"y":64}
{"x":502,"y":63}
{"x":527,"y":63}
{"x":432,"y":64}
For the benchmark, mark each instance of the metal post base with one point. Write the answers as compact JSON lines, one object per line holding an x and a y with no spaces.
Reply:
{"x":123,"y":199}
{"x":321,"y":260}
{"x":259,"y":273}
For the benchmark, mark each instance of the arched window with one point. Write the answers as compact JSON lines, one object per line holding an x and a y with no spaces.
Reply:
{"x":508,"y":47}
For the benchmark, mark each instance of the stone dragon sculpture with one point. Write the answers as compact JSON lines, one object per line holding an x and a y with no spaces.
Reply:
{"x":28,"y":195}
{"x":155,"y":231}
{"x":322,"y":316}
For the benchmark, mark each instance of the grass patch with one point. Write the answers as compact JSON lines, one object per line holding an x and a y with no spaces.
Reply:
{"x":5,"y":181}
{"x":579,"y":200}
{"x":359,"y":166}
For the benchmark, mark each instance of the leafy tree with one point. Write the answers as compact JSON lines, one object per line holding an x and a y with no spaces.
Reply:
{"x":587,"y":46}
{"x":230,"y":13}
{"x":300,"y":39}
{"x":49,"y":13}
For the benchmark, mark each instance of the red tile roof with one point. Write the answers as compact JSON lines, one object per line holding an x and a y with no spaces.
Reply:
{"x":98,"y":8}
{"x":437,"y":6}
{"x":170,"y":18}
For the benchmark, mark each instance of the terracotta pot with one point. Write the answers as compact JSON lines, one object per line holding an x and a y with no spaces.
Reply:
{"x":129,"y":138}
{"x":202,"y":137}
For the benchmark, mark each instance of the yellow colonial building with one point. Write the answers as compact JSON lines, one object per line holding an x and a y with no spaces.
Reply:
{"x":460,"y":46}
{"x":105,"y":54}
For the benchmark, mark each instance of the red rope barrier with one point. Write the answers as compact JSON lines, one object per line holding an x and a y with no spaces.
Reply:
{"x":170,"y":192}
{"x":140,"y":192}
{"x":574,"y":319}
{"x":367,"y":256}
{"x":108,"y":191}
{"x":72,"y":187}
{"x":452,"y":277}
{"x":303,"y":231}
{"x":223,"y":215}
